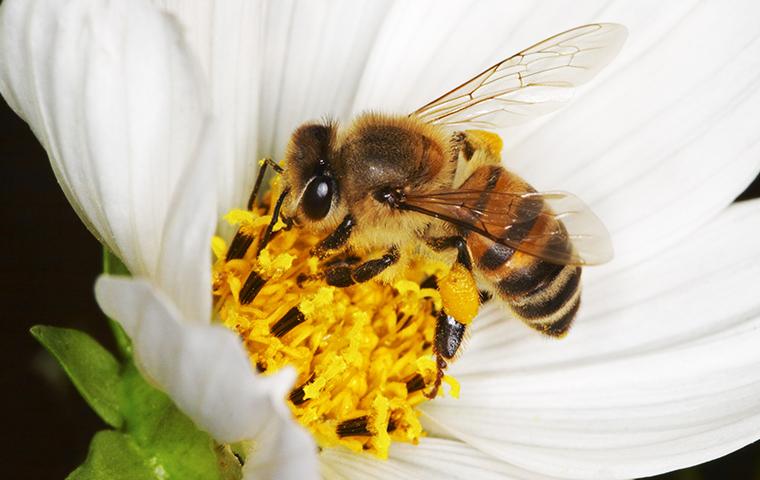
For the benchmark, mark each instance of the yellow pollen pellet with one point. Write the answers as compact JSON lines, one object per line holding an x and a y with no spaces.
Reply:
{"x":460,"y":294}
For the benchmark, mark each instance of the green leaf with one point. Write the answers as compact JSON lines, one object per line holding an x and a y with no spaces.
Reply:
{"x":113,"y":265}
{"x":157,"y":442}
{"x":114,"y":456}
{"x":91,"y":368}
{"x":175,"y":444}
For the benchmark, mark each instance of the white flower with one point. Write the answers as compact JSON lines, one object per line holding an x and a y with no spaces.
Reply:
{"x":153,"y":123}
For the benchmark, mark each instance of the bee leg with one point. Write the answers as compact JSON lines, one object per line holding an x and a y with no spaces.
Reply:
{"x":462,"y":301}
{"x":344,"y":275}
{"x":449,"y":335}
{"x":337,"y":239}
{"x":440,"y":244}
{"x":459,"y":144}
{"x":340,"y":265}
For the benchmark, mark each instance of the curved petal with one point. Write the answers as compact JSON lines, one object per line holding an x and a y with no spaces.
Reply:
{"x":314,"y":53}
{"x":426,"y":48}
{"x":433,"y":458}
{"x":277,"y":444}
{"x":226,"y":38}
{"x":660,"y":372}
{"x":666,"y":139}
{"x":272,"y":66}
{"x":183,"y":271}
{"x":115,"y":97}
{"x":204,"y":368}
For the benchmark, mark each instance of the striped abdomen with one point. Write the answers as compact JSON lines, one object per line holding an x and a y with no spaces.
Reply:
{"x":546,"y":296}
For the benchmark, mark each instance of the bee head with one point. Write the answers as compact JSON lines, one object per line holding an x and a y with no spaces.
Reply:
{"x":310,"y":174}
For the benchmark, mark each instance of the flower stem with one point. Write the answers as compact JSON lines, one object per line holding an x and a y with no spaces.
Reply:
{"x":112,"y":265}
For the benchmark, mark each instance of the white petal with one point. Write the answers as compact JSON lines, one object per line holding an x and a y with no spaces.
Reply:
{"x":114,"y":96}
{"x":183,"y":271}
{"x":314,"y":54}
{"x":204,"y":368}
{"x":282,"y":451}
{"x":667,"y":138}
{"x":433,"y":458}
{"x":662,"y":376}
{"x":226,"y":37}
{"x":426,"y":48}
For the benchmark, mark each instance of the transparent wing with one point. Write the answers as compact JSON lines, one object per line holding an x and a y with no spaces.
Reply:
{"x":554,"y":226}
{"x":536,"y":81}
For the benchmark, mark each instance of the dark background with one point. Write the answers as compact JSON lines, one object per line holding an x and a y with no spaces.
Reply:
{"x":48,"y":265}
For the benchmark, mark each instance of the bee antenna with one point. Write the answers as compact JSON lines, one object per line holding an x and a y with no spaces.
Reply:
{"x":267,"y":162}
{"x":275,"y":217}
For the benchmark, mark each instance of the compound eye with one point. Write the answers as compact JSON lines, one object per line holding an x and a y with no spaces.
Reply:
{"x":317,"y":197}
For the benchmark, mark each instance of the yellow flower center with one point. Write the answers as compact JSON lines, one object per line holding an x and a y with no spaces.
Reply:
{"x":363,"y":354}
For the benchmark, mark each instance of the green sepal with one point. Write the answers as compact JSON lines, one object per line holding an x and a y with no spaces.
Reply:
{"x":91,"y":368}
{"x":114,"y":456}
{"x":173,"y":440}
{"x":155,"y":440}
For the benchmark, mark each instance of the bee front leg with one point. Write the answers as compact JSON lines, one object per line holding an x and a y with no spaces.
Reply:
{"x":345,"y":275}
{"x":336,"y":240}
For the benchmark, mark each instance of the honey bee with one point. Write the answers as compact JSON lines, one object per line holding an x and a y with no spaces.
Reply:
{"x":389,"y":188}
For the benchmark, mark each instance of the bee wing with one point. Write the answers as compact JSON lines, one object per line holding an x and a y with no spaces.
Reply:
{"x":571,"y":233}
{"x":536,"y":81}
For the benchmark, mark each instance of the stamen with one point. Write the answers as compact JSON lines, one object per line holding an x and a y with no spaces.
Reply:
{"x":252,"y":286}
{"x":240,"y":244}
{"x":356,"y":427}
{"x":298,"y":395}
{"x":415,"y":383}
{"x":288,"y":322}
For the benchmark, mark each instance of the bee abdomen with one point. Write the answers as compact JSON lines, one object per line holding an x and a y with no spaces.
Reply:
{"x":552,"y":304}
{"x":544,"y":295}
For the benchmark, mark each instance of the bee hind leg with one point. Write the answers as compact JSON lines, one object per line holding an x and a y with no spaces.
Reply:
{"x":449,"y":335}
{"x":440,"y":244}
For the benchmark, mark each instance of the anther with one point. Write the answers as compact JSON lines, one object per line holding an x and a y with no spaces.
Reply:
{"x":297,"y":395}
{"x":239,"y":245}
{"x":391,"y":425}
{"x":251,"y":288}
{"x":356,"y":427}
{"x":402,"y":321}
{"x":261,"y":366}
{"x":288,"y":322}
{"x":415,"y":383}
